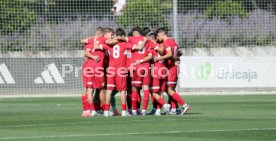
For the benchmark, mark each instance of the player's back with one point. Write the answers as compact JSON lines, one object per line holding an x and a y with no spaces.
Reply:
{"x":99,"y":53}
{"x":135,"y":39}
{"x":170,"y":43}
{"x":89,"y":47}
{"x":118,"y":55}
{"x":139,"y":54}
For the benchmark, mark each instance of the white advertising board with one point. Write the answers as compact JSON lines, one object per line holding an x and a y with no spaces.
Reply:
{"x":227,"y":72}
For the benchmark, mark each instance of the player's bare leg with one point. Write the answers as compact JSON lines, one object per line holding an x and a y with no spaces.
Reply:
{"x":154,"y":105}
{"x":145,"y":99}
{"x":85,"y":104}
{"x":174,"y":105}
{"x":102,"y":98}
{"x":159,"y":106}
{"x":139,"y":102}
{"x":107,"y":102}
{"x":123,"y":101}
{"x":134,"y":98}
{"x":113,"y":103}
{"x":129,"y":91}
{"x":175,"y":96}
{"x":97,"y":102}
{"x":161,"y":101}
{"x":90,"y":101}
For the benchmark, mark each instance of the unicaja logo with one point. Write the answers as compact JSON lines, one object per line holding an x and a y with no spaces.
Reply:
{"x":204,"y":71}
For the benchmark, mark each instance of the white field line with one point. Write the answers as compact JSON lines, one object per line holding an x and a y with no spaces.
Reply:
{"x":138,"y":133}
{"x":75,"y":123}
{"x":135,"y":120}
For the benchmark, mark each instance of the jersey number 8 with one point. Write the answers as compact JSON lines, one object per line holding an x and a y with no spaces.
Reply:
{"x":116,"y":51}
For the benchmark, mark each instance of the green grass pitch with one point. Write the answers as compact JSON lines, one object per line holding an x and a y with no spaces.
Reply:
{"x":212,"y":118}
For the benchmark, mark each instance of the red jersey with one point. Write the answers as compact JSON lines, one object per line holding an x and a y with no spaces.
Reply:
{"x":159,"y":67}
{"x":86,"y":47}
{"x":117,"y":54}
{"x":170,"y":44}
{"x":139,"y":55}
{"x":89,"y":47}
{"x":129,"y":59}
{"x":99,"y":53}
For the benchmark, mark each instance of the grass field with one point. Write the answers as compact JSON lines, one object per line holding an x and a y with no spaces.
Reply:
{"x":212,"y":118}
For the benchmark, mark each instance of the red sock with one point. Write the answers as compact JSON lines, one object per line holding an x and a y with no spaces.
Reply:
{"x":86,"y":103}
{"x":129,"y":101}
{"x":158,"y":106}
{"x":146,"y":99}
{"x":172,"y":102}
{"x":107,"y":107}
{"x":123,"y":107}
{"x":91,"y":107}
{"x":83,"y":99}
{"x":178,"y":99}
{"x":161,"y":101}
{"x":134,"y":96}
{"x":103,"y":107}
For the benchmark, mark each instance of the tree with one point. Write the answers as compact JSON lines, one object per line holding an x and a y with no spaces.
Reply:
{"x":225,"y":9}
{"x":15,"y":17}
{"x":143,"y":13}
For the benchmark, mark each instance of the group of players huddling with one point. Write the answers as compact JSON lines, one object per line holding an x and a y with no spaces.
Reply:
{"x":142,"y":61}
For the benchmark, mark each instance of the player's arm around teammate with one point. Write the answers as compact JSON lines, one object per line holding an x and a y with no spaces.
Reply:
{"x":171,"y":49}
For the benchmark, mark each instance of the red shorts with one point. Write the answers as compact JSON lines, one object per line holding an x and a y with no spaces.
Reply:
{"x":158,"y":85}
{"x":86,"y":77}
{"x":172,"y":76}
{"x":98,"y":79}
{"x":141,"y":77}
{"x":117,"y":82}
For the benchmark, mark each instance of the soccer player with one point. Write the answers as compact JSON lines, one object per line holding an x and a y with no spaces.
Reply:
{"x":87,"y":72}
{"x":129,"y":85}
{"x":139,"y":69}
{"x":158,"y":74}
{"x":117,"y":71}
{"x":172,"y":51}
{"x":141,"y":75}
{"x":146,"y":57}
{"x":145,"y":31}
{"x":87,"y":83}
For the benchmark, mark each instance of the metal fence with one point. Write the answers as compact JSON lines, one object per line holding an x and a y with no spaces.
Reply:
{"x":38,"y":25}
{"x":56,"y":26}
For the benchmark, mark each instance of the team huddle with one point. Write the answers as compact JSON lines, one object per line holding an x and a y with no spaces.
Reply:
{"x":142,"y":61}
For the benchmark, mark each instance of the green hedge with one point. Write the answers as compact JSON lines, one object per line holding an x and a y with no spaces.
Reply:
{"x":143,"y":13}
{"x":15,"y":17}
{"x":225,"y":9}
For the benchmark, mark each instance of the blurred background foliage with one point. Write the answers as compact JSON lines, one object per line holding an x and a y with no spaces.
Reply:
{"x":59,"y":24}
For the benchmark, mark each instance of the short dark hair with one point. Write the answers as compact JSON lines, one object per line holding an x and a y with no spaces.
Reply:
{"x":120,"y":32}
{"x":100,"y":29}
{"x":145,"y":30}
{"x":108,"y":30}
{"x":138,"y":29}
{"x":162,"y":30}
{"x":129,"y":34}
{"x":152,"y":35}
